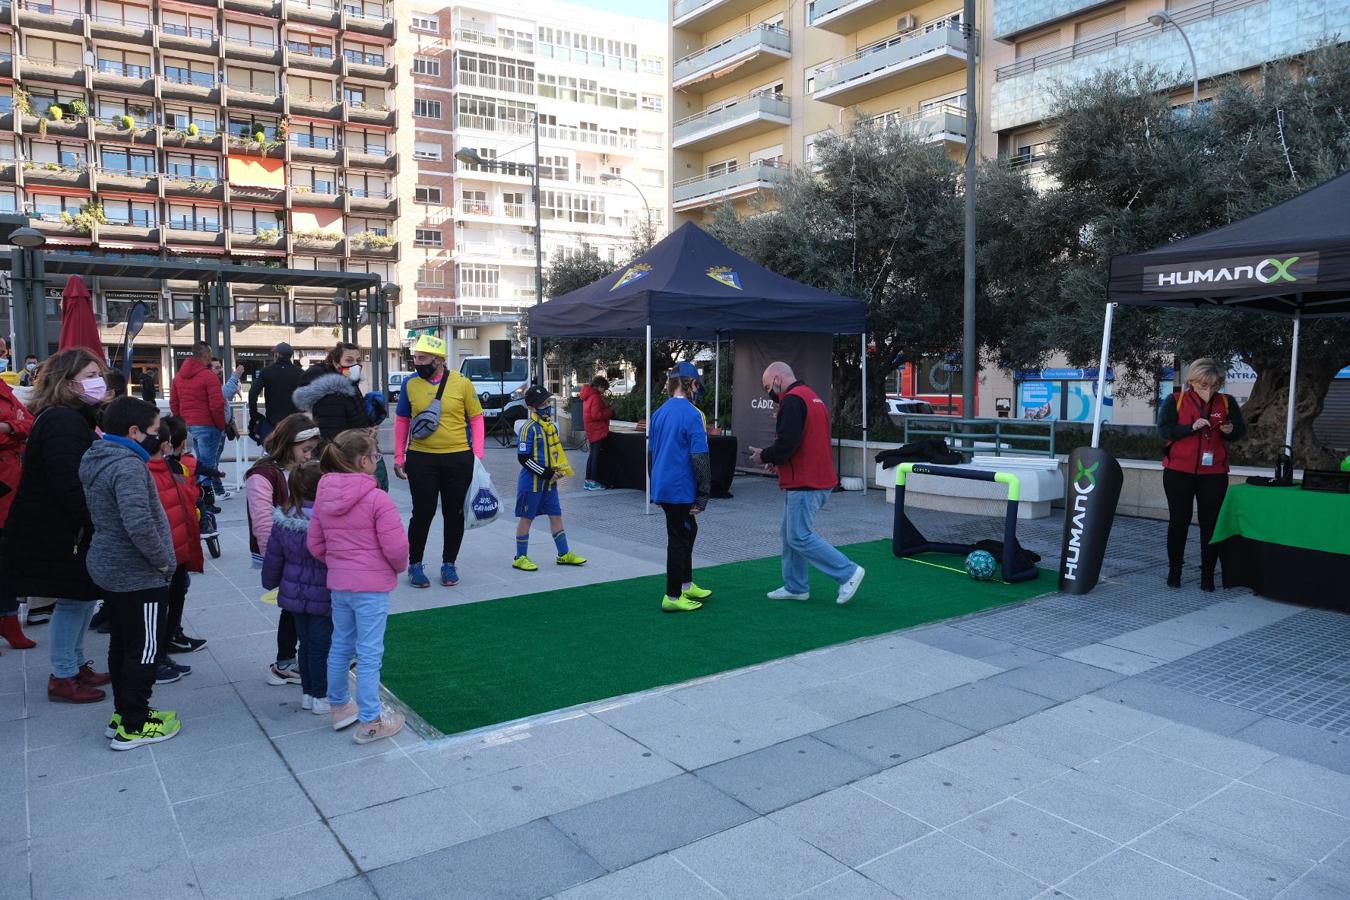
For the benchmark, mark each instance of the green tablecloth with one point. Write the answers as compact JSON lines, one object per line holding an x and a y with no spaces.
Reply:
{"x":1312,"y":520}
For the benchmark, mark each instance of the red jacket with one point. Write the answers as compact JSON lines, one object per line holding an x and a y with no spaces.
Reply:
{"x":595,"y":413}
{"x":811,"y":467}
{"x":1186,"y":453}
{"x":178,"y":493}
{"x":196,"y":396}
{"x":20,"y":421}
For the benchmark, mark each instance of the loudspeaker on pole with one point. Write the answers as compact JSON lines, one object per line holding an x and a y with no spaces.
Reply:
{"x":499,"y":353}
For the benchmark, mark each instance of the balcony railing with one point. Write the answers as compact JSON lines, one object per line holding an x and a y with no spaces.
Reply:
{"x":892,"y":52}
{"x":127,"y":173}
{"x":118,"y":120}
{"x":756,"y":105}
{"x":204,"y":129}
{"x":363,"y":59}
{"x":329,"y":6}
{"x":51,"y":62}
{"x":358,"y":12}
{"x":188,"y":31}
{"x":123,"y":21}
{"x":1111,"y":39}
{"x":371,"y":194}
{"x":313,"y":142}
{"x":475,"y":208}
{"x":133,"y":219}
{"x":318,"y":51}
{"x":584,"y":136}
{"x":369,"y":151}
{"x":494,"y":82}
{"x":180,"y":75}
{"x":256,"y":43}
{"x":261,"y":91}
{"x":723,"y":182}
{"x":124,"y":70}
{"x":247,"y":229}
{"x":366,"y":105}
{"x":948,"y":118}
{"x":186,"y":223}
{"x":180,"y":172}
{"x":764,"y":37}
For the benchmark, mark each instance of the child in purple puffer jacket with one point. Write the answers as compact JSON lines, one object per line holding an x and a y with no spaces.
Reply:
{"x":301,"y":582}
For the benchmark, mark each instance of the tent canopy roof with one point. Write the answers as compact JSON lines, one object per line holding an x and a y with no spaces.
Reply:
{"x":1292,"y":257}
{"x":692,"y":286}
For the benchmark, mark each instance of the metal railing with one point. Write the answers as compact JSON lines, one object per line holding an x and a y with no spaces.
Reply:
{"x":369,"y":151}
{"x":893,"y":51}
{"x":186,"y":223}
{"x":318,"y":51}
{"x":263,"y":232}
{"x":358,"y":12}
{"x":1013,"y":437}
{"x":127,"y":173}
{"x":767,"y":37}
{"x":180,"y":75}
{"x":270,"y":93}
{"x":123,"y":21}
{"x":204,"y":129}
{"x":51,"y":62}
{"x":313,"y":141}
{"x":494,"y":82}
{"x":134,"y":219}
{"x":201,"y":34}
{"x":329,"y":6}
{"x":702,"y":185}
{"x":363,"y":59}
{"x":116,"y":121}
{"x":124,"y":70}
{"x":255,"y":43}
{"x":366,"y":105}
{"x":947,"y":118}
{"x":195,"y":174}
{"x":729,"y":111}
{"x":685,"y":7}
{"x":475,"y":208}
{"x":1112,"y":39}
{"x":367,"y":194}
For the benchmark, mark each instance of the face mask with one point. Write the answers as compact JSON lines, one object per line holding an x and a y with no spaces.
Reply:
{"x":93,"y":390}
{"x":32,"y":367}
{"x":426,"y":370}
{"x":773,"y":394}
{"x":354,"y":372}
{"x":151,"y":442}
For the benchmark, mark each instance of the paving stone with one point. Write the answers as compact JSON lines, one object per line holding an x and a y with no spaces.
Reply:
{"x":1320,"y":884}
{"x":1054,"y":739}
{"x":786,"y":773}
{"x":517,"y":796}
{"x":391,"y":832}
{"x":74,"y":760}
{"x":14,"y":878}
{"x":849,"y":886}
{"x":523,"y":863}
{"x":660,"y":876}
{"x":1113,"y":812}
{"x":1210,"y":751}
{"x":356,"y":888}
{"x":1303,"y":742}
{"x":1018,"y":656}
{"x":1044,"y":846}
{"x":1241,"y":864}
{"x":214,"y":771}
{"x":1113,"y":658}
{"x":95,"y":800}
{"x":893,"y":736}
{"x":63,"y":869}
{"x":682,"y":735}
{"x":902,"y":683}
{"x":1179,"y":706}
{"x":622,"y":830}
{"x":1169,"y":780}
{"x":983,"y":705}
{"x":1292,"y":826}
{"x":939,"y":867}
{"x":220,"y":820}
{"x":930,"y":793}
{"x":612,"y":766}
{"x":364,"y":782}
{"x":1305,"y":782}
{"x":278,"y":864}
{"x":1107,"y":716}
{"x":852,"y":826}
{"x":1126,"y":875}
{"x":999,"y":765}
{"x":758,"y":859}
{"x":1057,"y":678}
{"x":841,"y":701}
{"x":954,"y":640}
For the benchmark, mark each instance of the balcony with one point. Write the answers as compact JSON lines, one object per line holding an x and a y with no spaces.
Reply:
{"x":372,"y":158}
{"x":254,"y":99}
{"x":750,"y":51}
{"x":323,"y":195}
{"x":47,"y":17}
{"x":124,"y":77}
{"x":254,"y":50}
{"x":9,"y":171}
{"x":197,"y":232}
{"x":737,"y":119}
{"x":379,"y":202}
{"x":269,"y":8}
{"x":701,"y":15}
{"x":574,"y":135}
{"x":313,"y":148}
{"x":126,"y":128}
{"x":55,"y":173}
{"x":312,"y":58}
{"x":368,"y":66}
{"x":127,"y":180}
{"x":367,"y":22}
{"x":178,"y":83}
{"x":53,"y":70}
{"x":184,"y":37}
{"x":363,"y":113}
{"x":315,"y":106}
{"x":206,"y":138}
{"x":203,"y":185}
{"x":707,"y":190}
{"x":315,"y":12}
{"x":251,"y":193}
{"x":120,"y":28}
{"x":379,"y":247}
{"x":848,"y":16}
{"x":138,"y":226}
{"x":6,"y":65}
{"x":254,"y":238}
{"x":65,"y":127}
{"x":327,"y":243}
{"x":901,"y":61}
{"x":944,"y":124}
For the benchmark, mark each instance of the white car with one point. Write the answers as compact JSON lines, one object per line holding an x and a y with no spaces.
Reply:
{"x":900,"y":407}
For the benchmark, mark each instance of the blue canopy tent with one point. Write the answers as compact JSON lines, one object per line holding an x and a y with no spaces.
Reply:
{"x":691,"y":286}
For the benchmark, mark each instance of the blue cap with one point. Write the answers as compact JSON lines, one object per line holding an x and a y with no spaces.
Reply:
{"x":686,"y":369}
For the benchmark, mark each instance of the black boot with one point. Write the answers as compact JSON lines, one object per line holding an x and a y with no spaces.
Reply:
{"x":1174,"y":576}
{"x":1207,"y":581}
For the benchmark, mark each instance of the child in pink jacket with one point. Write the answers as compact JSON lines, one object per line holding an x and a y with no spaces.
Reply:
{"x":355,"y":530}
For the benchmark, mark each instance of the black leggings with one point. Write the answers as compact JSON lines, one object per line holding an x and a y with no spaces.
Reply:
{"x":171,"y":619}
{"x":681,"y":531}
{"x":593,"y":460}
{"x":1186,"y":492}
{"x":432,"y":477}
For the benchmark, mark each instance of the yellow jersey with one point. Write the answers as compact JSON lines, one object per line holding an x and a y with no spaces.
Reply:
{"x":459,"y":404}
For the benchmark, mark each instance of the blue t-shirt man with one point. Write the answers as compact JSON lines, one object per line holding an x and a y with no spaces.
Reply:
{"x":675,"y":434}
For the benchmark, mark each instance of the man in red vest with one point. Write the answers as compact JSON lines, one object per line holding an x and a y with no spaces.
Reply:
{"x":801,"y":456}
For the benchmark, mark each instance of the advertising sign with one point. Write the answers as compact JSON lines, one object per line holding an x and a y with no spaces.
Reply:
{"x":1094,"y":486}
{"x":753,"y":414}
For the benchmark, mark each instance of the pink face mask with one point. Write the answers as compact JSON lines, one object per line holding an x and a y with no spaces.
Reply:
{"x":93,"y":390}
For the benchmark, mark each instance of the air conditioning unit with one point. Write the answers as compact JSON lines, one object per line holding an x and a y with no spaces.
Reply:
{"x":906,"y":23}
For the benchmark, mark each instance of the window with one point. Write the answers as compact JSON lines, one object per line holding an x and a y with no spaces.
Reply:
{"x":117,"y":160}
{"x":372,"y":143}
{"x":124,"y":63}
{"x":478,"y":281}
{"x":251,"y":81}
{"x":426,"y":23}
{"x":653,"y":65}
{"x":653,"y":178}
{"x":70,"y":154}
{"x":431,"y":277}
{"x":427,"y":150}
{"x":722,"y":168}
{"x":190,"y":165}
{"x":180,"y":118}
{"x":315,"y":137}
{"x":423,"y":194}
{"x":428,"y":237}
{"x":315,"y":312}
{"x":314,"y":179}
{"x":118,"y":306}
{"x":498,"y":73}
{"x":425,"y":65}
{"x":110,"y":109}
{"x":554,"y":168}
{"x":262,"y":222}
{"x":131,"y":213}
{"x":475,"y":203}
{"x":256,"y":309}
{"x":513,"y":204}
{"x":251,"y":35}
{"x":189,"y":71}
{"x":9,"y":201}
{"x":191,"y":217}
{"x":368,"y":184}
{"x":653,"y":102}
{"x":810,"y":150}
{"x":186,"y":24}
{"x":426,"y":109}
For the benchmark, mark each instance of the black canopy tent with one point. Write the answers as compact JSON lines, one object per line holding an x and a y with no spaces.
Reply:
{"x":691,"y":286}
{"x":1292,"y":259}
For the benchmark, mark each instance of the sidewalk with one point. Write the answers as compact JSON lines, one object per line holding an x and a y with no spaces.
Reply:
{"x":1135,"y":743}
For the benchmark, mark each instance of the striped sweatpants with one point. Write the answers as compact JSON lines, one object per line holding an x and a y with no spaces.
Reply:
{"x":134,"y":619}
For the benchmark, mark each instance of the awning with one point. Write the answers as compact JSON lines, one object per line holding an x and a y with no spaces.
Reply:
{"x":253,"y":171}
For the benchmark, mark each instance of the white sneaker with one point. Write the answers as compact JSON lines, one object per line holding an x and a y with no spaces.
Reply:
{"x":784,"y":594}
{"x":307,"y":702}
{"x":321,"y":707}
{"x":850,"y":587}
{"x":224,"y":495}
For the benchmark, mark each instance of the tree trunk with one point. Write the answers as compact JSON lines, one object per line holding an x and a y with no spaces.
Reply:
{"x":1266,"y":409}
{"x":848,"y":392}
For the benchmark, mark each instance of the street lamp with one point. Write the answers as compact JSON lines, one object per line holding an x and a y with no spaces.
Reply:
{"x":27,"y":238}
{"x":471,"y":157}
{"x":1161,"y":19}
{"x":29,"y":315}
{"x":610,"y":178}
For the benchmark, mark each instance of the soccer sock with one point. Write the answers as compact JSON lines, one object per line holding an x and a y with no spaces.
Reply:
{"x":686,"y":586}
{"x":522,"y":544}
{"x":560,"y":540}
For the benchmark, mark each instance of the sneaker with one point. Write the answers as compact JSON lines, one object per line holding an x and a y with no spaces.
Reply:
{"x":41,"y":617}
{"x":181,"y":643}
{"x":697,"y":593}
{"x":222,"y":494}
{"x":571,"y":559}
{"x":449,"y":577}
{"x":282,"y":673}
{"x":152,"y":732}
{"x":524,"y":564}
{"x":157,"y":715}
{"x":594,"y":486}
{"x":307,"y":702}
{"x":343,"y":715}
{"x":321,"y":707}
{"x":167,"y":673}
{"x":784,"y":594}
{"x":679,"y":604}
{"x":385,"y":726}
{"x":418,"y":578}
{"x":850,"y":587}
{"x":182,"y":669}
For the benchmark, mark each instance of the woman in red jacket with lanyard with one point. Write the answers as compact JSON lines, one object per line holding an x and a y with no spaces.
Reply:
{"x":1197,"y":425}
{"x":15,"y":423}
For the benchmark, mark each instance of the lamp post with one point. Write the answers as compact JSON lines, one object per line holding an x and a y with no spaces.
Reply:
{"x":471,"y":157}
{"x":1162,"y":18}
{"x":27,"y":286}
{"x":610,"y":177}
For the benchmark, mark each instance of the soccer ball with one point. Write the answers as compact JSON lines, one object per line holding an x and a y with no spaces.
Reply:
{"x":980,"y":565}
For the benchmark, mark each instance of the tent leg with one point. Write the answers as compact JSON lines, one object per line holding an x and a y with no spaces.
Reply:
{"x":717,"y":380}
{"x":1101,"y":377}
{"x":864,"y":413}
{"x":1293,"y":378}
{"x":646,"y":462}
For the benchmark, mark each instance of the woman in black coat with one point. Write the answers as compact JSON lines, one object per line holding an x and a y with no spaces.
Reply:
{"x":42,"y":553}
{"x":330,"y":392}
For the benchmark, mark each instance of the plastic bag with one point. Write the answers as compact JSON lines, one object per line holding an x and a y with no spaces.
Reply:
{"x":482,"y":505}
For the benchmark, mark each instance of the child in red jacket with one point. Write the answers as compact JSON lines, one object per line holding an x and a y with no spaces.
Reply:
{"x":175,"y":474}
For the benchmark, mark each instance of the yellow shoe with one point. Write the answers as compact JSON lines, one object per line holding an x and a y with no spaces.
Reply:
{"x":571,"y":559}
{"x":524,"y":564}
{"x":697,"y":593}
{"x":679,"y":604}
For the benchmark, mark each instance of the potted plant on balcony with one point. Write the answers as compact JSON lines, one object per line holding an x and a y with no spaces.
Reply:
{"x":55,"y":112}
{"x":193,"y":130}
{"x":23,"y":104}
{"x":79,"y":109}
{"x":90,"y":215}
{"x":371,"y":240}
{"x":127,"y":122}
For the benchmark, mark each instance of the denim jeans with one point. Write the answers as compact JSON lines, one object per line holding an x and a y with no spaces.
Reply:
{"x":358,"y":630}
{"x":801,"y":545}
{"x":207,"y":443}
{"x":69,"y":625}
{"x":316,"y":637}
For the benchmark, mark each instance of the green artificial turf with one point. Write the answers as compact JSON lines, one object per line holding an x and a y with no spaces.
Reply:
{"x":477,"y":664}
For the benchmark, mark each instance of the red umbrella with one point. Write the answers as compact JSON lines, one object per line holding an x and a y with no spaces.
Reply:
{"x":78,"y":326}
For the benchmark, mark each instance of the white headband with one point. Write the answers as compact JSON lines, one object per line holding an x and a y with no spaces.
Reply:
{"x":305,"y":435}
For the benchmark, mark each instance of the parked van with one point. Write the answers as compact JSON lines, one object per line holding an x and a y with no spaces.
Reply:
{"x":500,"y":394}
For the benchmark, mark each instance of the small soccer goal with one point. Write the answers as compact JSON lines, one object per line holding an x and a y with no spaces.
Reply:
{"x":1015,"y":563}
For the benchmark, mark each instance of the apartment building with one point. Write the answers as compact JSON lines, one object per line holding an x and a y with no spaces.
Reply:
{"x":596,"y":85}
{"x":261,"y":132}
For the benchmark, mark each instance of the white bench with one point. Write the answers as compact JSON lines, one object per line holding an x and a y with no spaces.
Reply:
{"x":1041,"y":480}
